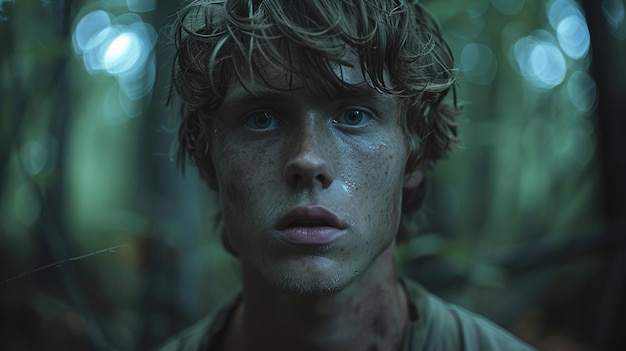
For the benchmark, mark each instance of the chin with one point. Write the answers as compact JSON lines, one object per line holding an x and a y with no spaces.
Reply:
{"x":306,"y":285}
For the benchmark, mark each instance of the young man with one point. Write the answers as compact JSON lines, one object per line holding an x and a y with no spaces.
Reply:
{"x":315,"y":121}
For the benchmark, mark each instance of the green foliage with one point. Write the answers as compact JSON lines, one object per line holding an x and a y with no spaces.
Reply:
{"x":78,"y":174}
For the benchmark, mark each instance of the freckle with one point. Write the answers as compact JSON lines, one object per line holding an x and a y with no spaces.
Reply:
{"x":357,"y":310}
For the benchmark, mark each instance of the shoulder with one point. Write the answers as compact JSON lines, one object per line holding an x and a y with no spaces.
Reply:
{"x":204,"y":333}
{"x":440,"y":325}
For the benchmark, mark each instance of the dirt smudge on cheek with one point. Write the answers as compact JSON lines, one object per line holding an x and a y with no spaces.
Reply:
{"x":233,"y":168}
{"x":380,"y":326}
{"x":356,"y":310}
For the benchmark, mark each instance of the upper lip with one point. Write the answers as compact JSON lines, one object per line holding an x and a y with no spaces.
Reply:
{"x":302,"y":215}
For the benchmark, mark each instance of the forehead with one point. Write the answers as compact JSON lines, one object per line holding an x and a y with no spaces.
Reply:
{"x":342,"y":77}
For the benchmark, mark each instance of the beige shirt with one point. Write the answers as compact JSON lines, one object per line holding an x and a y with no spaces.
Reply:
{"x":435,"y":326}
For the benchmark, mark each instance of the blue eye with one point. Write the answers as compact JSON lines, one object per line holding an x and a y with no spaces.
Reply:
{"x":353,"y":117}
{"x":261,"y":121}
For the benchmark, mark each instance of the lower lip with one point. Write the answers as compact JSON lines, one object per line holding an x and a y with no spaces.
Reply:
{"x":311,"y":235}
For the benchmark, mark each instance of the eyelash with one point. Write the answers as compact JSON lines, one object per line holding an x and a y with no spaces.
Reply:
{"x":366,"y":114}
{"x":250,"y":119}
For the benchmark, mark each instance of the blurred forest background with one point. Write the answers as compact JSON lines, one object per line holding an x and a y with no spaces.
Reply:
{"x":106,"y":245}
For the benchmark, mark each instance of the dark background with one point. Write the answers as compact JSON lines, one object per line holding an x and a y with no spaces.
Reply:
{"x":105,"y":245}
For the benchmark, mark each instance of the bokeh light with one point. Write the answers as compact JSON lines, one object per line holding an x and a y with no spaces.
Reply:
{"x":478,"y":63}
{"x":138,"y":84}
{"x":90,"y":25}
{"x":39,"y":155}
{"x":570,"y":25}
{"x":122,"y":53}
{"x":557,"y":10}
{"x":615,"y":13}
{"x":96,"y":47}
{"x":582,"y":91}
{"x":122,"y":47}
{"x":573,"y":36}
{"x":539,"y":60}
{"x":466,"y":25}
{"x":511,"y":33}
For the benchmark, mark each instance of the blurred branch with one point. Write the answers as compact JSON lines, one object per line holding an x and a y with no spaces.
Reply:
{"x":59,"y":263}
{"x":609,"y":54}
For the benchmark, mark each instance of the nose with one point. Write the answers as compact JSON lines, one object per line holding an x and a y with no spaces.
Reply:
{"x":308,"y":165}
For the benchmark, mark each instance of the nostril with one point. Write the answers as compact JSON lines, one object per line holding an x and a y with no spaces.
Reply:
{"x":296,"y":178}
{"x":301,"y":179}
{"x":323,"y":180}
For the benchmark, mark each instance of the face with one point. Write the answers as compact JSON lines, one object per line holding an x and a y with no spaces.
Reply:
{"x":310,"y":186}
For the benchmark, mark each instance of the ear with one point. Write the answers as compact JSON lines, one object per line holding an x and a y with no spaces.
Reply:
{"x":413,"y":179}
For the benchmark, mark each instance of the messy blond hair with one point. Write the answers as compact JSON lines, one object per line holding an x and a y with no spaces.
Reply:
{"x":398,"y":44}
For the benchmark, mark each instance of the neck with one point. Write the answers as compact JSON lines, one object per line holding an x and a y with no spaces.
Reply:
{"x":370,"y":313}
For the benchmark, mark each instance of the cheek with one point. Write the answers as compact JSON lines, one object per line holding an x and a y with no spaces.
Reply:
{"x":243,"y":175}
{"x":234,"y":171}
{"x":383,"y":178}
{"x":384,"y":166}
{"x":234,"y":161}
